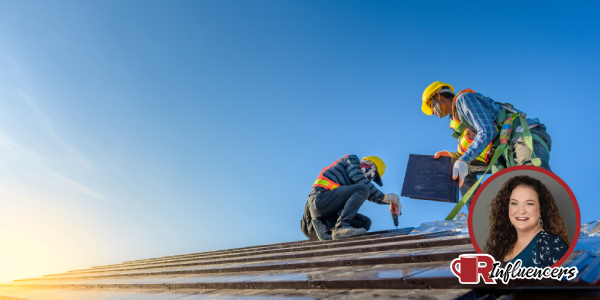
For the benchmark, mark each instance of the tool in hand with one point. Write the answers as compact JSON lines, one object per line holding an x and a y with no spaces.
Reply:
{"x":395,"y":213}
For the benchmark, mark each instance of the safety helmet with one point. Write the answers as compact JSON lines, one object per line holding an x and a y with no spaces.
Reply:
{"x":429,"y":91}
{"x":380,"y":165}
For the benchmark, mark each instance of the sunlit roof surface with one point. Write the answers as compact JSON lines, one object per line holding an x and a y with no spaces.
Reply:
{"x":410,"y":262}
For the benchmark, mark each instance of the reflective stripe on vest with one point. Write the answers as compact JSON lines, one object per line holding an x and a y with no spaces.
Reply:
{"x":506,"y":123}
{"x":464,"y":142}
{"x":325,"y":182}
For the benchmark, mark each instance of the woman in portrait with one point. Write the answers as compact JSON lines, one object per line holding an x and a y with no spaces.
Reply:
{"x":525,"y":224}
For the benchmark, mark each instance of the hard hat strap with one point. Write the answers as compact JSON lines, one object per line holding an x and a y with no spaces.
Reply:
{"x":434,"y":106}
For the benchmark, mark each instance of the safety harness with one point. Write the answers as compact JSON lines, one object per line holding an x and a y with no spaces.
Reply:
{"x":507,"y":119}
{"x":462,"y":130}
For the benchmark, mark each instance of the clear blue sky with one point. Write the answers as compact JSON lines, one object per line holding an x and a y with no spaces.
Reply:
{"x":136,"y":129}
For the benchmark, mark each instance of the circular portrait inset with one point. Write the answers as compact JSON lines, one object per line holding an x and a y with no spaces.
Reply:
{"x":525,"y":213}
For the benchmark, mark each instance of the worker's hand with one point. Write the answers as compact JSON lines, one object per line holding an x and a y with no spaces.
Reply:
{"x":445,"y":153}
{"x":392,"y":198}
{"x":459,"y":171}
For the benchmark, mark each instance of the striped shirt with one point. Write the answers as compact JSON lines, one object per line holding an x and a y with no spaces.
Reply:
{"x":346,"y":171}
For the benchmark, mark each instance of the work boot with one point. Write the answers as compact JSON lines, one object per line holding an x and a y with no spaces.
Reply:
{"x":347,"y":231}
{"x":321,"y":230}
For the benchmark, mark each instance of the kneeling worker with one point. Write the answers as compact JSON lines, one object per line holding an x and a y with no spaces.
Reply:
{"x":337,"y":195}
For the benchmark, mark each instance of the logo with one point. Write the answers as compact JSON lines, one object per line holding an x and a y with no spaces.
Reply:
{"x":470,"y":268}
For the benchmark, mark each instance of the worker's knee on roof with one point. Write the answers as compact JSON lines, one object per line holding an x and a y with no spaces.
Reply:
{"x":543,"y":155}
{"x":541,"y":132}
{"x":361,"y":221}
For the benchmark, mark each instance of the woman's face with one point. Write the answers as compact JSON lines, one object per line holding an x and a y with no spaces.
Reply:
{"x":524,"y":208}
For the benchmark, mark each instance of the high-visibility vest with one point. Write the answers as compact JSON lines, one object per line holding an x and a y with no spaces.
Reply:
{"x":508,"y":118}
{"x":325,"y":182}
{"x":464,"y":142}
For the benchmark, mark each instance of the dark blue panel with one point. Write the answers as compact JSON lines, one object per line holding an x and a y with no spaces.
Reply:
{"x":430,"y":179}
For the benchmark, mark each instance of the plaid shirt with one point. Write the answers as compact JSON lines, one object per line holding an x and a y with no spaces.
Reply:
{"x":481,"y":112}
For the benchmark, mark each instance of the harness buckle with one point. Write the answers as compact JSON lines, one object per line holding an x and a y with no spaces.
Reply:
{"x":513,"y":110}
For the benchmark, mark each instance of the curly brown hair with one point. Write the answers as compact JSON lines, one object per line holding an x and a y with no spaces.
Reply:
{"x":503,"y":236}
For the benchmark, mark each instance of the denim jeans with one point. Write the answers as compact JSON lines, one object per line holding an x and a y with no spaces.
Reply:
{"x":348,"y":199}
{"x":522,"y":156}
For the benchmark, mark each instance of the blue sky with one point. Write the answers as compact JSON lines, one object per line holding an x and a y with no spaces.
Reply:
{"x":136,"y":129}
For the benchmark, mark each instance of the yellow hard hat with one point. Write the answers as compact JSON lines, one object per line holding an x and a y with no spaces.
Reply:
{"x":429,"y":91}
{"x":380,"y":167}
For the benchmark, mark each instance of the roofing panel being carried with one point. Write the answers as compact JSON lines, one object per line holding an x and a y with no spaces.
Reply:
{"x":430,"y":179}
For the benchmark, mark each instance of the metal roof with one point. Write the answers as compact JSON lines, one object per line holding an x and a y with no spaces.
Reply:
{"x":385,"y":264}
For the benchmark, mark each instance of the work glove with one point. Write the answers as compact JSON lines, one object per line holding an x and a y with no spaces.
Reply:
{"x":445,"y":153}
{"x":459,"y":171}
{"x":392,"y":198}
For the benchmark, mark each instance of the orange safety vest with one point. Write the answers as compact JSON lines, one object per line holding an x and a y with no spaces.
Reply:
{"x":464,"y":142}
{"x":325,"y":182}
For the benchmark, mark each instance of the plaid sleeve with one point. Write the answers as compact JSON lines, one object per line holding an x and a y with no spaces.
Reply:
{"x":470,"y":107}
{"x":357,"y":176}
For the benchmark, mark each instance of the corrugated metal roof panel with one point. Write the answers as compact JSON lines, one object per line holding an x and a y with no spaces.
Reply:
{"x":591,"y":229}
{"x":389,"y":264}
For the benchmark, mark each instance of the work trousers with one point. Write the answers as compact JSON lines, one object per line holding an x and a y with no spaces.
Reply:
{"x":342,"y":205}
{"x":522,"y":157}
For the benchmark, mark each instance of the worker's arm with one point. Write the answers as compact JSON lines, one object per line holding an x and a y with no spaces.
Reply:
{"x":357,"y":176}
{"x":470,"y":106}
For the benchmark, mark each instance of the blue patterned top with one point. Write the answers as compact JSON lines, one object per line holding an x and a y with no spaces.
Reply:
{"x":544,"y":250}
{"x":481,"y":112}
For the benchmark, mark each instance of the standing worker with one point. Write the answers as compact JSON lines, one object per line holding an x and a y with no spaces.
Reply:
{"x":338,"y":193}
{"x":485,"y":130}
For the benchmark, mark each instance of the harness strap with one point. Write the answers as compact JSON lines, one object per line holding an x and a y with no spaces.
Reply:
{"x":459,"y":130}
{"x":468,"y":194}
{"x":506,"y":127}
{"x":529,"y":141}
{"x":505,"y":149}
{"x":516,"y":135}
